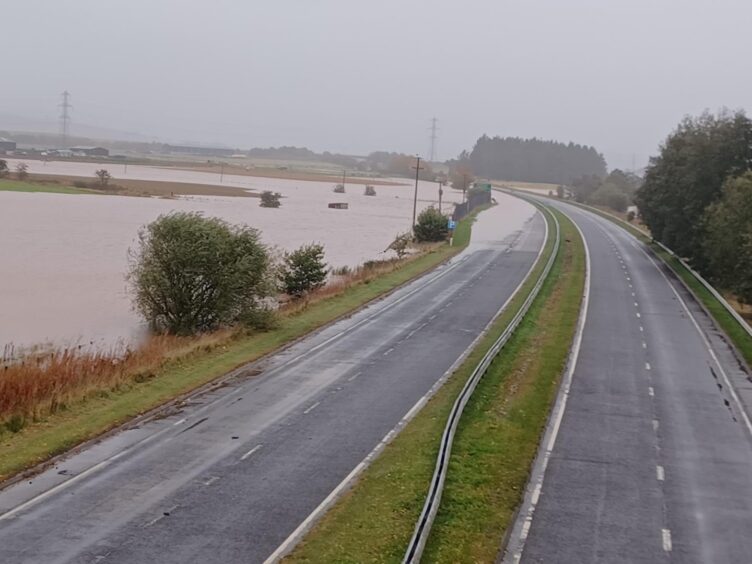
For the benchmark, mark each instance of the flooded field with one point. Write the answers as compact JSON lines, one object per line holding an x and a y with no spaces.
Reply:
{"x":63,"y":257}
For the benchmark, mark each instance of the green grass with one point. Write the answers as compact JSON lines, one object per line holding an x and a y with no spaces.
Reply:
{"x":21,"y":186}
{"x":82,"y":421}
{"x":494,"y":446}
{"x":741,"y":339}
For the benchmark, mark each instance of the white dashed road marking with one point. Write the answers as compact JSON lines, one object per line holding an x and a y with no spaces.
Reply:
{"x":314,"y":406}
{"x":250,"y":452}
{"x":667,"y":540}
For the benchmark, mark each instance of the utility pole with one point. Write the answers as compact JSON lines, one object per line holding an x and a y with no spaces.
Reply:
{"x":441,"y":193}
{"x":418,"y":168}
{"x":65,"y":108}
{"x":464,"y":187}
{"x":344,"y":178}
{"x":221,"y":171}
{"x":432,"y":150}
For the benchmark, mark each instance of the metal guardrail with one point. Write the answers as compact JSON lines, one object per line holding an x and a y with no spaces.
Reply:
{"x":716,"y":294}
{"x":430,"y":508}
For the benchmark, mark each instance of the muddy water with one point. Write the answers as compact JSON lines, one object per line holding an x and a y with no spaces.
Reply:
{"x":63,"y":257}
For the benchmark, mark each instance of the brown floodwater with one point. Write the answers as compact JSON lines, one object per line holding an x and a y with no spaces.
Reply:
{"x":63,"y":257}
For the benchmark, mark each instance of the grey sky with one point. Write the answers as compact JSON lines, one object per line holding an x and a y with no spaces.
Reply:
{"x":356,"y":76}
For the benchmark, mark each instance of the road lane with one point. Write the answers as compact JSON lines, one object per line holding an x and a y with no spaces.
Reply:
{"x":652,"y":460}
{"x":230,"y":476}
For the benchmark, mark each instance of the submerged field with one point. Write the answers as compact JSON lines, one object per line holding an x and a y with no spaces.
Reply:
{"x":65,"y":255}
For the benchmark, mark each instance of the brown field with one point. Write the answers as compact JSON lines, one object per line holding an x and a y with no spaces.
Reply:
{"x":125,"y":187}
{"x":285,"y":173}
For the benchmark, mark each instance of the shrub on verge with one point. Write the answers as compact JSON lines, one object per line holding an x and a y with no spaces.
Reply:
{"x":191,"y":274}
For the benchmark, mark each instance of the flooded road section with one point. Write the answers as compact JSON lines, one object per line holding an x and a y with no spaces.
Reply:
{"x":63,"y":258}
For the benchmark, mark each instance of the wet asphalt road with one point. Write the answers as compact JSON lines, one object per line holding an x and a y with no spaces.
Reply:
{"x":653,"y":460}
{"x":229,"y":477}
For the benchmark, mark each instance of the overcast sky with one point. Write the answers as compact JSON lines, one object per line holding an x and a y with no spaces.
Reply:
{"x":355,"y":76}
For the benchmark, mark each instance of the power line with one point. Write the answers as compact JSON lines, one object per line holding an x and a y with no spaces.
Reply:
{"x":65,"y":108}
{"x":434,"y":136}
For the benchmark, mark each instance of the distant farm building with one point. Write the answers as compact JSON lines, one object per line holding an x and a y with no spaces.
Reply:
{"x":6,"y":145}
{"x":90,"y":151}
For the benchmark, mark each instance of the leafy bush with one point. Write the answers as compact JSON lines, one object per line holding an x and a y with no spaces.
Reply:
{"x":3,"y":168}
{"x":630,"y":216}
{"x":80,"y":184}
{"x":339,"y":189}
{"x":270,"y":199}
{"x":303,"y":270}
{"x":370,"y":191}
{"x":610,"y":196}
{"x":191,"y":274}
{"x":431,"y":226}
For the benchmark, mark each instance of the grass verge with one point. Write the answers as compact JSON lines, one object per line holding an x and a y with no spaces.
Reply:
{"x":21,"y":186}
{"x":106,"y":409}
{"x":493,"y":450}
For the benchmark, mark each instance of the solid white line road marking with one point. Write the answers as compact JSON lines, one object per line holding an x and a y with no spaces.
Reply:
{"x":659,"y":473}
{"x":351,"y":378}
{"x":536,"y":493}
{"x":250,"y":452}
{"x":647,"y":366}
{"x":651,"y":391}
{"x":666,"y":533}
{"x":314,"y":406}
{"x":180,"y":422}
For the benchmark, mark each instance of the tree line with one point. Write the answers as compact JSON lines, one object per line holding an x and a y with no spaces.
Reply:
{"x":532,"y":160}
{"x":616,"y":191}
{"x":697,"y":197}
